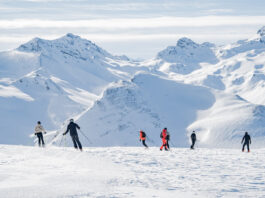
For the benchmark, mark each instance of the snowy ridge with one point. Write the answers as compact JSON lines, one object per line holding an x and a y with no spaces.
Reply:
{"x":217,"y":91}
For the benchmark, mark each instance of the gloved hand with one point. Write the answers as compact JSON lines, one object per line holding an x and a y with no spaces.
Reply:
{"x":64,"y":133}
{"x":140,"y":140}
{"x":45,"y":132}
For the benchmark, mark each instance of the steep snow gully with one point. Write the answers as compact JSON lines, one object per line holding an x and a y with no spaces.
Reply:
{"x":216,"y":90}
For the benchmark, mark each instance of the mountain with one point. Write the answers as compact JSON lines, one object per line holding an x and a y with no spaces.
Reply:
{"x":186,"y":56}
{"x":52,"y":81}
{"x":216,"y":90}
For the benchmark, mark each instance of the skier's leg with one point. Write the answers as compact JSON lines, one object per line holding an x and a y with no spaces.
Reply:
{"x":192,"y":145}
{"x":38,"y":135}
{"x":73,"y":139}
{"x":41,"y":138}
{"x":78,"y":142}
{"x":167,"y":144}
{"x":248,"y":147}
{"x":144,"y":144}
{"x":243,"y":148}
{"x":161,"y":148}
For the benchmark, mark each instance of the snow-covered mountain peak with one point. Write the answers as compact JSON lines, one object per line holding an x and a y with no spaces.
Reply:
{"x":68,"y":45}
{"x":72,"y":36}
{"x":186,"y":43}
{"x":186,"y":56}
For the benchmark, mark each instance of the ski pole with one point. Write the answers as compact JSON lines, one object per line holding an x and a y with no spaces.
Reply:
{"x":150,"y":140}
{"x":85,"y":137}
{"x":61,"y":141}
{"x":172,"y":143}
{"x":64,"y":142}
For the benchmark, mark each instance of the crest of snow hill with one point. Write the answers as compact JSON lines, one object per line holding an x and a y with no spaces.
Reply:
{"x":217,"y":91}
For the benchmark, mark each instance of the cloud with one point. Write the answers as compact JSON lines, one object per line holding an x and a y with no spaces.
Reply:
{"x":127,"y":23}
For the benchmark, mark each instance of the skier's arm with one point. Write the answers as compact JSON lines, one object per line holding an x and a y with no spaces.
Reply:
{"x":77,"y":126}
{"x":242,"y":139}
{"x":66,"y":130}
{"x":249,"y":139}
{"x":43,"y":130}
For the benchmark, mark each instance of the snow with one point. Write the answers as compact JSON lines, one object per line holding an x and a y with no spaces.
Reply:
{"x":10,"y":91}
{"x":216,"y":90}
{"x":130,"y":172}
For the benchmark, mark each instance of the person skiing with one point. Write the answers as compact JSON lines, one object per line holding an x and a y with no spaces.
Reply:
{"x":38,"y":131}
{"x":168,"y":138}
{"x":163,"y":135}
{"x":247,"y":140}
{"x":193,"y":139}
{"x":143,"y":138}
{"x":73,"y":133}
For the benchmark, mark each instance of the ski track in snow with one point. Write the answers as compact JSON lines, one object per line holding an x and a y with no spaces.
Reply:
{"x":130,"y":172}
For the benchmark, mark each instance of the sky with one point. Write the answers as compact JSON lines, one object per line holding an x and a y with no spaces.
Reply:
{"x":138,"y":29}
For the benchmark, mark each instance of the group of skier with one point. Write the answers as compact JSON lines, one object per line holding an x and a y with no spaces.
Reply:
{"x":71,"y":127}
{"x":164,"y":135}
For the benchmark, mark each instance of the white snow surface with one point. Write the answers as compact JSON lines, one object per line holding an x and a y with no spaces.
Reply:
{"x":216,"y":90}
{"x":130,"y":172}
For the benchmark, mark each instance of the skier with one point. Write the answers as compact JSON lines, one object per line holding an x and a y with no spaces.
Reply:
{"x":143,"y":138}
{"x":168,"y":138}
{"x":247,"y":140}
{"x":38,"y":131}
{"x":163,"y":135}
{"x":73,"y":133}
{"x":193,"y":139}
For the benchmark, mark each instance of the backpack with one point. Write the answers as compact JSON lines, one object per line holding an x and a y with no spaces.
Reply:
{"x":143,"y":134}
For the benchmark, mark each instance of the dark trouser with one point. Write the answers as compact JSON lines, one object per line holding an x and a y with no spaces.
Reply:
{"x":76,"y":142}
{"x":40,"y":138}
{"x":245,"y":143}
{"x":143,"y":141}
{"x":192,"y":145}
{"x":167,"y":144}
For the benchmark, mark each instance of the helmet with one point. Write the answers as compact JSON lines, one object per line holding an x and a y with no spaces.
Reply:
{"x":71,"y":120}
{"x":39,"y":122}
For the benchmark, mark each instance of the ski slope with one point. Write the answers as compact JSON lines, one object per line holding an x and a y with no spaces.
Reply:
{"x":56,"y":172}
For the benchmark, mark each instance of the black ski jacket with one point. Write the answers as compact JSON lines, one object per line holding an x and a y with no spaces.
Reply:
{"x":246,"y":138}
{"x":193,"y":136}
{"x":72,"y":128}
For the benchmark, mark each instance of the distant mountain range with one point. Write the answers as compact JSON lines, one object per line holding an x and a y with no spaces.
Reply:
{"x":219,"y":91}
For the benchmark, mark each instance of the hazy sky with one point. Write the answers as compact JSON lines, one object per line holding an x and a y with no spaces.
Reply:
{"x":135,"y":28}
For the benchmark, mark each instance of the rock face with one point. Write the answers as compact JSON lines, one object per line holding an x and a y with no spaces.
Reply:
{"x":217,"y":91}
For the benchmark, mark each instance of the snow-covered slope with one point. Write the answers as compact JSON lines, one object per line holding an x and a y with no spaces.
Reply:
{"x":217,"y":91}
{"x":28,"y":172}
{"x":126,"y":107}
